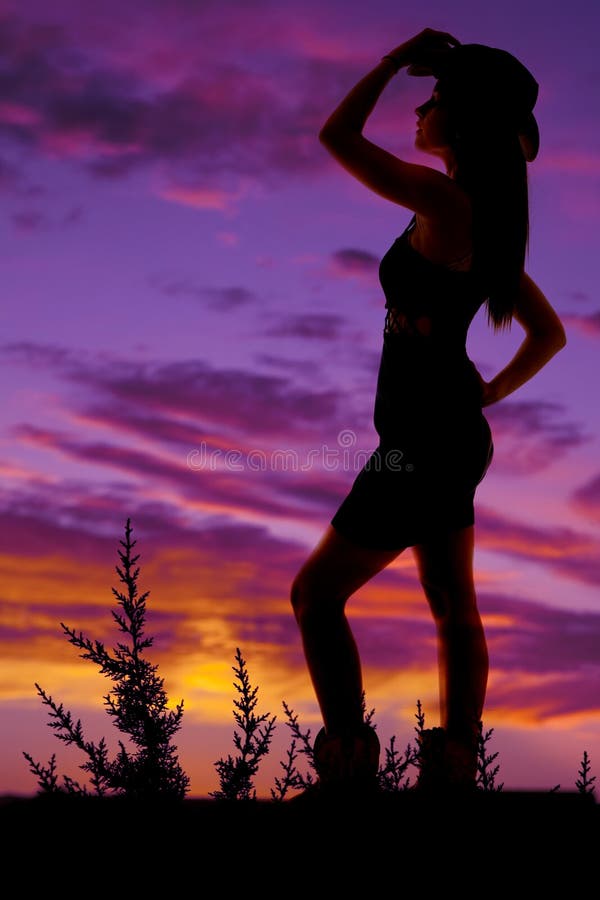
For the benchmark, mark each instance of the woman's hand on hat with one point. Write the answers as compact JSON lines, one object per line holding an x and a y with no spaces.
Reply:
{"x":420,"y":52}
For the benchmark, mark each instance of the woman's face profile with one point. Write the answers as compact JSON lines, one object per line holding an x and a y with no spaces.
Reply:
{"x":433,"y":125}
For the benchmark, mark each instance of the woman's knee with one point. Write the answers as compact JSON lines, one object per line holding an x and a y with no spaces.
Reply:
{"x":437,"y":600}
{"x":451,"y":600}
{"x":310,"y":596}
{"x":297,"y":594}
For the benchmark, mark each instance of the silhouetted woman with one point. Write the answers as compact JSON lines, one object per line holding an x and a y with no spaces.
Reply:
{"x":464,"y":246}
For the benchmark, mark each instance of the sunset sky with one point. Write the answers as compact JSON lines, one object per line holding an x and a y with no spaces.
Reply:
{"x":191,"y":331}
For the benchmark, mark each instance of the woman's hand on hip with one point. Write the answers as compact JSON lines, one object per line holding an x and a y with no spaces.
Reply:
{"x":488,"y":395}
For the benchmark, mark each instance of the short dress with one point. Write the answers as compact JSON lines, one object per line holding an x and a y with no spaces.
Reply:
{"x":435,"y":444}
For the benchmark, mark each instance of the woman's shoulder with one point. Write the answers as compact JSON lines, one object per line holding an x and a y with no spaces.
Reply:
{"x":458,"y":212}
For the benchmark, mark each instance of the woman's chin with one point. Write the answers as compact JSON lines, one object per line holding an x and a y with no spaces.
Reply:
{"x":420,"y":144}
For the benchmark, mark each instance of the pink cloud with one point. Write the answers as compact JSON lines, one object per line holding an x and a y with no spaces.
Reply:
{"x":565,"y":694}
{"x":205,"y":478}
{"x":16,"y":114}
{"x":85,"y":95}
{"x":29,"y":221}
{"x":570,"y":553}
{"x":229,"y":117}
{"x":586,"y":499}
{"x":9,"y":176}
{"x":313,"y":326}
{"x":545,"y":660}
{"x":236,"y":401}
{"x":228,"y":238}
{"x":220,"y":299}
{"x":588,"y":325}
{"x":579,"y":202}
{"x":190,"y":417}
{"x":200,"y":197}
{"x":574,"y":161}
{"x":354,"y":262}
{"x":531,"y":435}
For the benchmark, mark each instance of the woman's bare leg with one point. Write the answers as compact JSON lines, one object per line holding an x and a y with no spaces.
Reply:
{"x":335,"y":569}
{"x":446,"y":573}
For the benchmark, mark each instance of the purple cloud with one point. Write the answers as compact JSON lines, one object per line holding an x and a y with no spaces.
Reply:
{"x":533,"y":637}
{"x":544,"y":662}
{"x":115,"y":114}
{"x":586,"y":324}
{"x":556,"y":647}
{"x":548,"y":698}
{"x":240,"y":402}
{"x":586,"y":499}
{"x":195,"y":409}
{"x":574,"y":554}
{"x":29,"y":221}
{"x":8,"y":175}
{"x":530,"y":435}
{"x":220,"y":299}
{"x":299,"y":366}
{"x":355,"y":262}
{"x":579,"y":296}
{"x":73,"y":216}
{"x":312,"y":326}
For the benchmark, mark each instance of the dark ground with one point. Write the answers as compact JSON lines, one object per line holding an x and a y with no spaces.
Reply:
{"x":508,"y":844}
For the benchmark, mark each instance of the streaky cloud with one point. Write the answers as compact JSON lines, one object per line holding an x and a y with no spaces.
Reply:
{"x":220,"y":299}
{"x":586,"y":324}
{"x":586,"y":499}
{"x":570,"y":553}
{"x":354,"y":262}
{"x":309,"y":326}
{"x":530,"y":435}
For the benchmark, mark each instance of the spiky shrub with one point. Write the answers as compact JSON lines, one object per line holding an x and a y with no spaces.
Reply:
{"x":137,"y":704}
{"x":236,"y":773}
{"x":585,"y":782}
{"x":391,"y":775}
{"x":301,"y":745}
{"x":486,"y":771}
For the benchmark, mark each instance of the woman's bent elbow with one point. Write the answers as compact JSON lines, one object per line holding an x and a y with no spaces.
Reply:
{"x":561,"y":340}
{"x":556,"y":340}
{"x":329,"y":135}
{"x":323,"y":136}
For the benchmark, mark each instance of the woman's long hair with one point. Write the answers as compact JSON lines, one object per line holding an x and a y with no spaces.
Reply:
{"x":492,"y":169}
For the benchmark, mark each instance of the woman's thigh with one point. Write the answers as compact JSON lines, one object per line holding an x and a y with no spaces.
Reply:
{"x":445,"y":563}
{"x":337,"y":567}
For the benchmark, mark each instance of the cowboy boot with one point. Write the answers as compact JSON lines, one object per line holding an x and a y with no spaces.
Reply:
{"x":462,"y":762}
{"x":432,"y":775}
{"x":446,"y":763}
{"x":351,"y":759}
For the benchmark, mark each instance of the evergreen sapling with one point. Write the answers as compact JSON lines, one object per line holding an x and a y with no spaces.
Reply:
{"x":137,"y":704}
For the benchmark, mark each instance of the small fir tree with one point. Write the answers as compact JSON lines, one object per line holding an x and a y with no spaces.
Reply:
{"x":137,"y":704}
{"x":486,"y":772}
{"x":585,"y":782}
{"x":301,"y":745}
{"x":236,"y":774}
{"x":391,"y":775}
